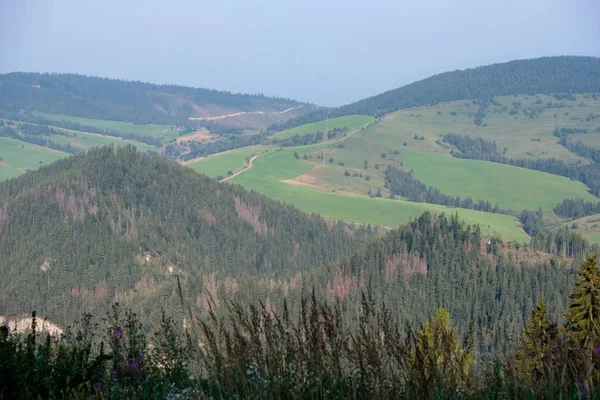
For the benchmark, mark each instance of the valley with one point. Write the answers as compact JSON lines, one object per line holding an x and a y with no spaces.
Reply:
{"x":456,"y":214}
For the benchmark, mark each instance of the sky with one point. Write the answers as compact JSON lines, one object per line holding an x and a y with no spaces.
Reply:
{"x":328,"y":52}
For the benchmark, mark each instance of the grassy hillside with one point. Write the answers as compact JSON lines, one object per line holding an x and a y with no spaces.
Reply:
{"x":547,"y":75}
{"x":160,"y":131}
{"x":269,"y":172}
{"x":18,"y":157}
{"x":351,"y":122}
{"x":514,"y":188}
{"x":219,"y":164}
{"x":333,"y":178}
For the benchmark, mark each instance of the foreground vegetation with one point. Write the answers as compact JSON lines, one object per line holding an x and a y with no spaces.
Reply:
{"x":309,"y":352}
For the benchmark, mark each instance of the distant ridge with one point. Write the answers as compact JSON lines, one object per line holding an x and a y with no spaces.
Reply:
{"x":546,"y":75}
{"x":121,"y":100}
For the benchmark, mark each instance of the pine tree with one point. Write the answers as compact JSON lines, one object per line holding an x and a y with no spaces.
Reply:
{"x":533,"y":346}
{"x":583,"y":315}
{"x":438,"y":358}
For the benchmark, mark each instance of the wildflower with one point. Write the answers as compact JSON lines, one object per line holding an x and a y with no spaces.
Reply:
{"x":133,"y":363}
{"x":597,"y":350}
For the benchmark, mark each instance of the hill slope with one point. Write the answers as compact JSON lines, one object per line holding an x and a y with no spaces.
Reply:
{"x":546,"y":75}
{"x":137,"y":102}
{"x":117,"y":225}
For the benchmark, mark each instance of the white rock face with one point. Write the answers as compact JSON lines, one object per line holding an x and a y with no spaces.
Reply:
{"x":23,"y":324}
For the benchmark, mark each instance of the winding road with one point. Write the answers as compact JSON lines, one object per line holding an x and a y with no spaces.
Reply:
{"x":242,"y":170}
{"x":258,"y":155}
{"x":237,"y":114}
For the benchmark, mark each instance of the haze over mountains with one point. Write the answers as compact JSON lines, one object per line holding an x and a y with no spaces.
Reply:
{"x":135,"y":226}
{"x":475,"y":191}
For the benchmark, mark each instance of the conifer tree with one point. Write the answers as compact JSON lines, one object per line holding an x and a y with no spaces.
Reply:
{"x":438,"y":357}
{"x":583,"y":315}
{"x":534,"y":344}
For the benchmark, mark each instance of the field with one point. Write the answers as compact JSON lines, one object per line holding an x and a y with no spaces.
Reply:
{"x":84,"y":141}
{"x":334,"y":179}
{"x":514,"y":188}
{"x":270,"y":170}
{"x":220,"y":164}
{"x":588,"y":226}
{"x":17,"y":157}
{"x":522,"y":135}
{"x":351,"y":122}
{"x":159,"y":131}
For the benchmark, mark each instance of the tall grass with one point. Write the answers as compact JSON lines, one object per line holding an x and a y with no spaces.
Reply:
{"x":255,"y":352}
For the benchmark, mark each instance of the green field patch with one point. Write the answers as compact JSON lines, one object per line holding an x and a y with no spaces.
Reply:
{"x":18,"y":156}
{"x":350,"y":121}
{"x":220,"y":164}
{"x":160,"y":131}
{"x":521,"y":135}
{"x":588,"y":227}
{"x":514,"y":188}
{"x":85,"y":141}
{"x":269,"y":170}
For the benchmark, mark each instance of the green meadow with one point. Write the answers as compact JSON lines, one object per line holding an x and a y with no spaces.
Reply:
{"x":269,"y":170}
{"x":84,"y":140}
{"x":350,"y":121}
{"x":160,"y":131}
{"x":219,"y":164}
{"x":521,"y":134}
{"x":18,"y":157}
{"x":392,"y":142}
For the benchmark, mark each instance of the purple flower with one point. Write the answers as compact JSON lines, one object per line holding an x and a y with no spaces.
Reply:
{"x":118,"y":331}
{"x":597,"y":350}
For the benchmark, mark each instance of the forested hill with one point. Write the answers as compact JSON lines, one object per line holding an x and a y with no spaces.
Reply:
{"x":547,"y":75}
{"x":117,"y":225}
{"x":137,"y":102}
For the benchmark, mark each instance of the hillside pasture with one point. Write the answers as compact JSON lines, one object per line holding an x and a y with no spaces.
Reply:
{"x":164,"y":132}
{"x":269,"y":171}
{"x":219,"y":164}
{"x":18,"y":157}
{"x":351,"y":122}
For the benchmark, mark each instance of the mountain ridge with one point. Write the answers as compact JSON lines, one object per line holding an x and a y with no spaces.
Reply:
{"x":555,"y":74}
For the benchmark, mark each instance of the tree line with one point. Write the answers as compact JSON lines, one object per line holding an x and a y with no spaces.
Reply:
{"x":548,"y":75}
{"x":403,"y":184}
{"x":481,"y":149}
{"x":120,"y":100}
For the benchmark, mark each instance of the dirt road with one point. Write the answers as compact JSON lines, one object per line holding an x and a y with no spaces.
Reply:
{"x":237,"y":114}
{"x":242,"y":170}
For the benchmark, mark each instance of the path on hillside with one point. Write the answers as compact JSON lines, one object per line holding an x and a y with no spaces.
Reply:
{"x":258,"y":155}
{"x":352,"y":133}
{"x":242,"y":170}
{"x":237,"y":114}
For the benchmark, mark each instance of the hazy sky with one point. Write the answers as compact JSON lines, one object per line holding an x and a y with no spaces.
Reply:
{"x":327,"y":52}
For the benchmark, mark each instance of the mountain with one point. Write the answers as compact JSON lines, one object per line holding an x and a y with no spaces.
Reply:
{"x":138,"y":102}
{"x":546,"y":75}
{"x":118,"y":225}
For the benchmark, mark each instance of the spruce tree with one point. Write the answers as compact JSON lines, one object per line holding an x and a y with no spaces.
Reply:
{"x":533,"y":346}
{"x":583,"y":315}
{"x":438,"y":359}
